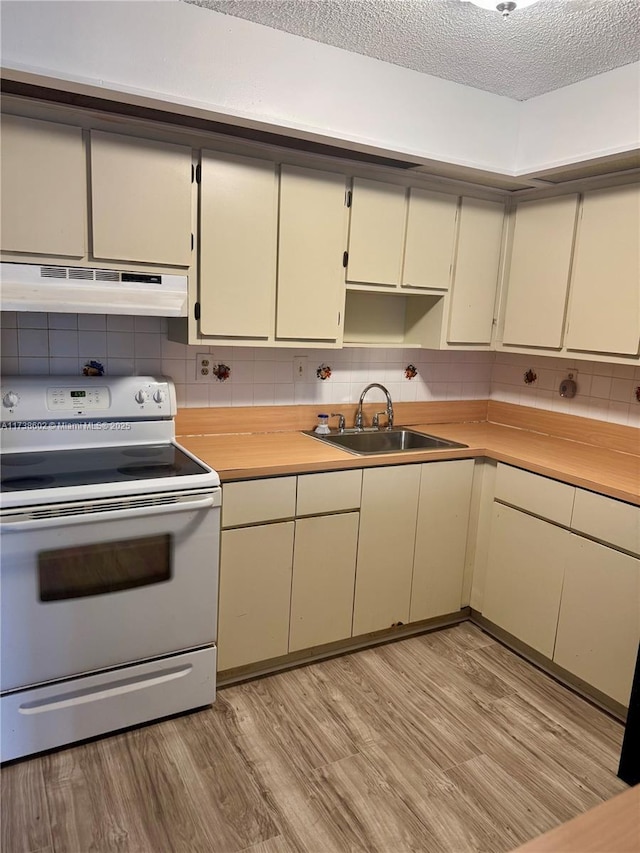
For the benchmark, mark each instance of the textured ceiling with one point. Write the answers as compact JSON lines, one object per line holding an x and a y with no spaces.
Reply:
{"x":538,"y":49}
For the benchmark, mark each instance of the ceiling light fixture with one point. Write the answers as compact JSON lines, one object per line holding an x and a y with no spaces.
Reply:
{"x":503,"y":6}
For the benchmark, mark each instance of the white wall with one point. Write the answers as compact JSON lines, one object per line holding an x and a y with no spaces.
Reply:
{"x":60,"y":344}
{"x":220,"y":66}
{"x":231,"y":67}
{"x":594,"y":118}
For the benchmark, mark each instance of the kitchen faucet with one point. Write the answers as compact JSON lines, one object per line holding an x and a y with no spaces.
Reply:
{"x":358,"y":422}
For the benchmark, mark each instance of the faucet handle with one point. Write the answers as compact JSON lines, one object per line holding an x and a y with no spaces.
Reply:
{"x":376,"y":419}
{"x":341,"y":420}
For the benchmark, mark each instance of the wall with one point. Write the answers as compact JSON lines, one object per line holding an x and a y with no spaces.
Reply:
{"x":208,"y":64}
{"x":60,"y":344}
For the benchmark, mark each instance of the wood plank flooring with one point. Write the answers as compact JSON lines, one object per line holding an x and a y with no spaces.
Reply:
{"x":443,"y":743}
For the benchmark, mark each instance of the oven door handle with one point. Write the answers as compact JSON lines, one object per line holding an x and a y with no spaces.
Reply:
{"x":110,"y":515}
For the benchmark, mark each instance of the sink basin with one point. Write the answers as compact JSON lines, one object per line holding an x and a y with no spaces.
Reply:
{"x":383,"y":441}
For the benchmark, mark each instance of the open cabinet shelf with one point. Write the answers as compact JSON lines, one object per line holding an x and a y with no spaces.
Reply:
{"x":393,"y":319}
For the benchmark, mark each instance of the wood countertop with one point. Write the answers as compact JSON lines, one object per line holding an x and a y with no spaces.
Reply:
{"x":586,"y":464}
{"x":611,"y":827}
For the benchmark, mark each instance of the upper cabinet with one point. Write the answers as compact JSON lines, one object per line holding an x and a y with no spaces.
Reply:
{"x":93,"y":198}
{"x":475,"y":280}
{"x":604,"y":307}
{"x":271,"y":247}
{"x":376,"y":233}
{"x":539,"y":272}
{"x":311,"y":243}
{"x":422,"y":267}
{"x":44,"y":188}
{"x":238,"y":234}
{"x":572,"y":285}
{"x":140,"y":200}
{"x":430,"y":241}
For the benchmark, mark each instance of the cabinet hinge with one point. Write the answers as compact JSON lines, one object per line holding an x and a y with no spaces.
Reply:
{"x":345,"y":259}
{"x":192,"y":242}
{"x":193,"y":173}
{"x":196,"y":310}
{"x":198,"y":173}
{"x":347,"y":198}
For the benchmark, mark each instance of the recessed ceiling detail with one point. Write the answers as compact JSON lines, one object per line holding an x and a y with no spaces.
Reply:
{"x":537,"y":49}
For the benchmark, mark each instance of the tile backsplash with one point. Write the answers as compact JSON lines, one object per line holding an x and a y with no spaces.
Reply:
{"x":37,"y":343}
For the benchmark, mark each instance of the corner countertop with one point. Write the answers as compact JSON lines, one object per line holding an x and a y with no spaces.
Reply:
{"x":615,"y":473}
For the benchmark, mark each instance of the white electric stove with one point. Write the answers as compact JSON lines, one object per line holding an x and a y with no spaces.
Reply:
{"x":109,"y":561}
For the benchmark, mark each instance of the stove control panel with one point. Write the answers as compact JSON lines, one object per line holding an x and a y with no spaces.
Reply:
{"x":59,"y":398}
{"x":89,"y":399}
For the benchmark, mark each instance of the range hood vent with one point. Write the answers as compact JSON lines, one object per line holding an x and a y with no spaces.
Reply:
{"x":84,"y":290}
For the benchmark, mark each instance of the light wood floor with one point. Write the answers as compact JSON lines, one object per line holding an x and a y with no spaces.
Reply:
{"x":443,"y":742}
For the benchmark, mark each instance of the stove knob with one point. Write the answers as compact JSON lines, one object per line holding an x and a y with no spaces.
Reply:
{"x":159,"y":396}
{"x":141,"y":396}
{"x":10,"y":400}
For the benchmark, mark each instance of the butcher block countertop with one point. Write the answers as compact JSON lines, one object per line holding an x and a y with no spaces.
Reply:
{"x":251,"y":442}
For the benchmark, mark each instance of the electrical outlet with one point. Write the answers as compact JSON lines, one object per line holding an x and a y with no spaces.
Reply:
{"x":300,"y":368}
{"x":204,"y":365}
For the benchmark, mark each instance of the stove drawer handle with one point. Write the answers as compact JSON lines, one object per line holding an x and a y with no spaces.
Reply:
{"x":110,"y":515}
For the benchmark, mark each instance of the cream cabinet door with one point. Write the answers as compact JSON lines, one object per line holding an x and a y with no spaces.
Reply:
{"x":538,"y":276}
{"x":376,"y":233}
{"x":255,"y":593}
{"x":324,"y":567}
{"x":238,"y":243}
{"x":526,"y":563}
{"x":44,"y":188}
{"x":311,"y":243}
{"x":141,"y":193}
{"x":431,"y":232}
{"x":385,"y":547}
{"x":604,"y":306}
{"x":441,"y":538}
{"x":475,"y":277}
{"x":599,"y":624}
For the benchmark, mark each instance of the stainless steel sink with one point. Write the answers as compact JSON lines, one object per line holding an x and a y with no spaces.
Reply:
{"x":364,"y":442}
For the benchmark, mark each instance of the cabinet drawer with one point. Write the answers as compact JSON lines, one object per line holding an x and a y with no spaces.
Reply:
{"x":608,"y":520}
{"x":258,"y":500}
{"x":333,"y":492}
{"x":532,"y":493}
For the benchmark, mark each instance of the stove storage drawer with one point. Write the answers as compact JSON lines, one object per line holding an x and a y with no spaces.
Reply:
{"x":57,"y":714}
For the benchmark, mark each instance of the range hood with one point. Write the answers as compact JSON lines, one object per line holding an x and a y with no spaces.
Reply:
{"x":83,"y":290}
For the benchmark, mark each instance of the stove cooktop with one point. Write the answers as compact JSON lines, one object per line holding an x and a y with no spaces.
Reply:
{"x":90,"y":467}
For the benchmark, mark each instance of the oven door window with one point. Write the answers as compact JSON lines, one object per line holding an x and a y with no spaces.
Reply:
{"x":103,"y":568}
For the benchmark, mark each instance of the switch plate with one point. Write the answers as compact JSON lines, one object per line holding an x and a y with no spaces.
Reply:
{"x":204,"y":365}
{"x":300,"y":368}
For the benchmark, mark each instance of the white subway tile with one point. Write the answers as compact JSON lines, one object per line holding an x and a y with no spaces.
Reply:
{"x":120,"y":323}
{"x":622,"y":390}
{"x":31,"y":320}
{"x":263,"y":372}
{"x":601,"y":386}
{"x":63,"y":343}
{"x":147,"y":345}
{"x":120,"y":367}
{"x":120,"y":344}
{"x":64,"y":367}
{"x":197,"y":394}
{"x":8,"y":320}
{"x":92,"y":345}
{"x":33,"y":343}
{"x":33,"y":366}
{"x":148,"y":324}
{"x":92,"y":322}
{"x":63,"y":321}
{"x":9,"y":343}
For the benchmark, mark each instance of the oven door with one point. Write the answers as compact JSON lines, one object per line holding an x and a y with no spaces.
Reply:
{"x":90,"y":586}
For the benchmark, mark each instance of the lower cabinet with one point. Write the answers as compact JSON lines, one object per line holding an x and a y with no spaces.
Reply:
{"x":527,"y":558}
{"x":599,"y":621}
{"x":319,"y":558}
{"x":385,"y":548}
{"x":255,"y":593}
{"x":324,"y":568}
{"x":441,"y":538}
{"x":554,"y":587}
